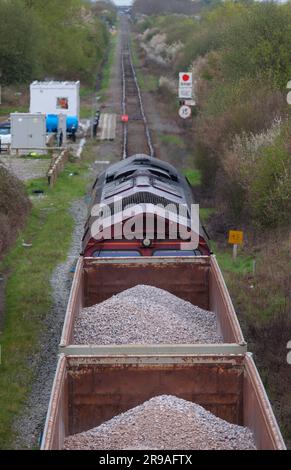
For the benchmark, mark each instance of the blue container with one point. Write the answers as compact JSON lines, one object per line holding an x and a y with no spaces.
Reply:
{"x":52,"y":123}
{"x":53,"y":119}
{"x":72,"y":124}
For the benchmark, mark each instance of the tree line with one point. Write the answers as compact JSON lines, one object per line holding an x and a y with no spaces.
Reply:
{"x":51,"y":39}
{"x":156,"y":7}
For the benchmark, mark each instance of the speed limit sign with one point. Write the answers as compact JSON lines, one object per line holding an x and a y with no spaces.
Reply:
{"x":185,"y":112}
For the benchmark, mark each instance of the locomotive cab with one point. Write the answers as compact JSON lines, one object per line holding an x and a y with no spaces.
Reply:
{"x":157,"y":197}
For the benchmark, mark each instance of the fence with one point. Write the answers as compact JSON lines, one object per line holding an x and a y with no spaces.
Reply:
{"x":57,"y":166}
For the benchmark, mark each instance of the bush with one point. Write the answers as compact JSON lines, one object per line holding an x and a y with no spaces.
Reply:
{"x":231,"y":111}
{"x":260,"y":39}
{"x":255,"y":177}
{"x":270,"y":188}
{"x":14,"y":207}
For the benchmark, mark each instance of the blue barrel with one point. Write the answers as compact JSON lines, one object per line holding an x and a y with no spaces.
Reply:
{"x":72,"y":124}
{"x":52,"y":121}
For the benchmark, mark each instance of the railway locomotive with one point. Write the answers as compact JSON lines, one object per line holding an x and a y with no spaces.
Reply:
{"x":150,"y":185}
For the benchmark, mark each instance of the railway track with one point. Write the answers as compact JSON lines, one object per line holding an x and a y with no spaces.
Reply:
{"x":136,"y":133}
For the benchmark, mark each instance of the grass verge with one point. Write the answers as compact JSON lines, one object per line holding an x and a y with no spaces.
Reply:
{"x":148,"y":83}
{"x":241,"y":265}
{"x":172,"y":139}
{"x":36,"y":156}
{"x":206,"y":213}
{"x":28,"y":291}
{"x":88,"y":96}
{"x":7,"y":110}
{"x":106,"y":71}
{"x":193,"y":176}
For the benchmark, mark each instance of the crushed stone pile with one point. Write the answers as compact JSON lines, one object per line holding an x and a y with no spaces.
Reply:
{"x":145,"y":315}
{"x":164,"y":422}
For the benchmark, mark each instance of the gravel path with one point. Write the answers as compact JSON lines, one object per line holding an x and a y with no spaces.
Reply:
{"x":164,"y":422}
{"x":143,"y":315}
{"x":30,"y":425}
{"x":26,"y":168}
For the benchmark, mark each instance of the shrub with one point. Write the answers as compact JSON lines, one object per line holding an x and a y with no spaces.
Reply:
{"x":270,"y":188}
{"x":242,"y":110}
{"x":256,"y":180}
{"x":14,"y":207}
{"x":260,"y":39}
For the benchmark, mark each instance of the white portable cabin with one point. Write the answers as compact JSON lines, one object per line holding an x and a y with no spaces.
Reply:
{"x":55,"y":98}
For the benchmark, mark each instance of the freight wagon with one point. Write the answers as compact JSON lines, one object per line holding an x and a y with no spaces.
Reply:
{"x":89,"y":390}
{"x":194,"y":279}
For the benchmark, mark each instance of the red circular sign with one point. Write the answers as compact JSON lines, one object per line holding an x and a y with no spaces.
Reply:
{"x":186,"y":77}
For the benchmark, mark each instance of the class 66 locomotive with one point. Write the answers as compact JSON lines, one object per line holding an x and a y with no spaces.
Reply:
{"x":143,"y":206}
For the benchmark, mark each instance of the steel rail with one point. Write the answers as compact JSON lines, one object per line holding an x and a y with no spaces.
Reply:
{"x":128,"y":71}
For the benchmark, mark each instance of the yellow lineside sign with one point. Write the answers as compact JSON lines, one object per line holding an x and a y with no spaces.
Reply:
{"x":235,"y":237}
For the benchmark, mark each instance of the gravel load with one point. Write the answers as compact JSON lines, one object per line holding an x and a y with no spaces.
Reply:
{"x":145,"y":315}
{"x":164,"y":422}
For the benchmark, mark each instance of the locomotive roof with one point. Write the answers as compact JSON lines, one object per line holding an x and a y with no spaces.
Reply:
{"x":145,"y":175}
{"x":141,"y":179}
{"x":138,"y":161}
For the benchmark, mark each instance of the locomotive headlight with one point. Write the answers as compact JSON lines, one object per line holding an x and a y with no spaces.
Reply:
{"x":146,"y":242}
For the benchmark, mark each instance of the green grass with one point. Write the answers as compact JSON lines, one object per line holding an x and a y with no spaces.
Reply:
{"x":106,"y":71}
{"x":86,"y":111}
{"x":86,"y":93}
{"x":28,"y":291}
{"x":172,"y":139}
{"x":205,"y":213}
{"x":243,"y":264}
{"x":193,"y":176}
{"x":36,"y":156}
{"x":4,"y":110}
{"x":134,"y":52}
{"x":148,"y":83}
